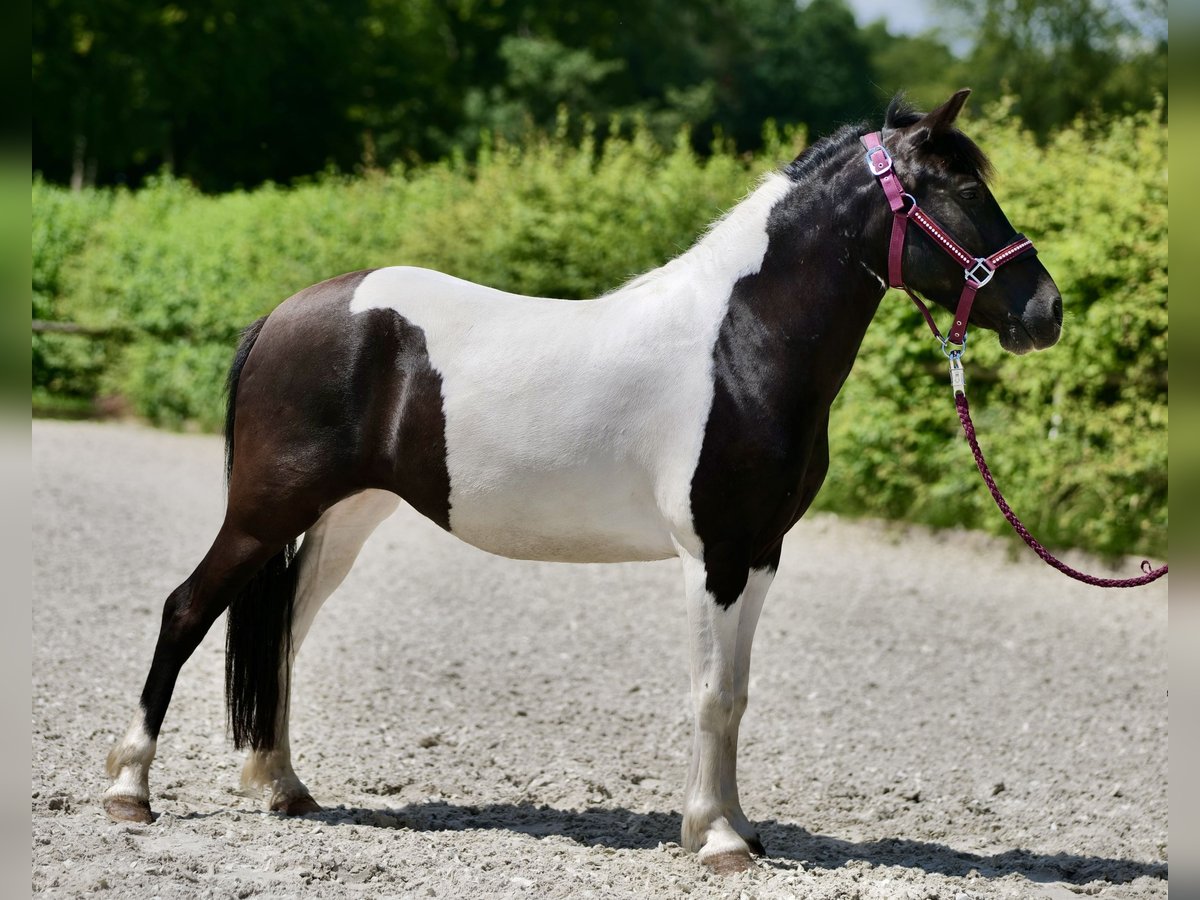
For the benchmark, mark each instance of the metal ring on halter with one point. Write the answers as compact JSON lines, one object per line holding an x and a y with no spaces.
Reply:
{"x":957,"y":352}
{"x":912,"y":202}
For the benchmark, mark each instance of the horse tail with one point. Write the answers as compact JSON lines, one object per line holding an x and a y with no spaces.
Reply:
{"x":245,"y":345}
{"x":258,"y":634}
{"x":258,"y":647}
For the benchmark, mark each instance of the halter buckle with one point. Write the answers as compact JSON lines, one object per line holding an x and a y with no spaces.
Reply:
{"x":971,"y":272}
{"x":885,"y":167}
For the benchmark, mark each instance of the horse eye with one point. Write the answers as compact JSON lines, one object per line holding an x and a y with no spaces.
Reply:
{"x":968,"y":193}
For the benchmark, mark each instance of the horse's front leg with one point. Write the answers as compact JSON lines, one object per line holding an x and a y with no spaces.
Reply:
{"x":724,"y":600}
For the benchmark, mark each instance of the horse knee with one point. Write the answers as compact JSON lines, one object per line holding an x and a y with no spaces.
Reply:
{"x":716,"y":707}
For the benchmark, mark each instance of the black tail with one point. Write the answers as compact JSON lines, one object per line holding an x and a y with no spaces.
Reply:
{"x":258,"y":637}
{"x":258,"y":644}
{"x":245,"y":345}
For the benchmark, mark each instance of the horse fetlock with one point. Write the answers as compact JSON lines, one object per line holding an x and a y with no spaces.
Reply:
{"x":718,"y":844}
{"x":135,"y":750}
{"x":746,"y":831}
{"x":708,"y":829}
{"x":128,"y":764}
{"x":273,"y":769}
{"x":270,"y":767}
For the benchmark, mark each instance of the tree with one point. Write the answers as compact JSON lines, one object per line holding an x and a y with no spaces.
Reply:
{"x":230,"y":93}
{"x":1063,"y":58}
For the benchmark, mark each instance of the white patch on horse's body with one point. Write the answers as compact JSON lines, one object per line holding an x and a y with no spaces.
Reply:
{"x":874,"y":274}
{"x":573,"y":428}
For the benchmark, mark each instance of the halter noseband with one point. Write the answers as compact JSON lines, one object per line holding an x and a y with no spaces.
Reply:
{"x":977,"y":270}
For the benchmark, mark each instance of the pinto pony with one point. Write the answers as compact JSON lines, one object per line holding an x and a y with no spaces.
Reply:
{"x":682,"y":415}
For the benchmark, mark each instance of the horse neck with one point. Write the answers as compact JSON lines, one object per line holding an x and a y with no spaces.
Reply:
{"x":819,"y":285}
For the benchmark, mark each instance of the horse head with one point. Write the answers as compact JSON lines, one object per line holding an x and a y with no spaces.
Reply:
{"x":946,"y":174}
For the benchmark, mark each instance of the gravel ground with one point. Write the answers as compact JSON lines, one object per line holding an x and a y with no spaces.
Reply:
{"x":930,"y":716}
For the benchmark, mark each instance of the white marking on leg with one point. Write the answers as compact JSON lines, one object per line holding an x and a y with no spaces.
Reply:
{"x":719,"y":644}
{"x":749,"y":607}
{"x":573,"y":429}
{"x":129,"y":761}
{"x":326,"y":556}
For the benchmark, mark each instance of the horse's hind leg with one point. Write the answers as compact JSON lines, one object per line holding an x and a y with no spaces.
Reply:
{"x":188,"y":613}
{"x":329,"y":550}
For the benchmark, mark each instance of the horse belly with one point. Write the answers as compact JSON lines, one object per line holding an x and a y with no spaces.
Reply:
{"x":572,"y":430}
{"x":560,"y":516}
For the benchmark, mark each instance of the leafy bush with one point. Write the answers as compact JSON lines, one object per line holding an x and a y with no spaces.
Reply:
{"x":66,"y":370}
{"x":1077,"y":436}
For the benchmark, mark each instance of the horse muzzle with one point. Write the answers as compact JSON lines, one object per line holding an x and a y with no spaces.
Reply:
{"x":1037,"y":327}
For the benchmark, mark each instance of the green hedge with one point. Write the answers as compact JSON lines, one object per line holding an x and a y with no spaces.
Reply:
{"x":1077,"y":435}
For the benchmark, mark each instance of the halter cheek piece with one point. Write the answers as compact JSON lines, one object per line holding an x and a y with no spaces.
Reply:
{"x":977,"y":270}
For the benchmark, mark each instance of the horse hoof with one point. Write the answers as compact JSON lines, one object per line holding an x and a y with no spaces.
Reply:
{"x":728,"y":862}
{"x":128,"y":809}
{"x":755,"y":845}
{"x":296,"y":806}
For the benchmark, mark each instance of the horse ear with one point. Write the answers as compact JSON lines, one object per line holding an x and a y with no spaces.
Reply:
{"x":943,"y":117}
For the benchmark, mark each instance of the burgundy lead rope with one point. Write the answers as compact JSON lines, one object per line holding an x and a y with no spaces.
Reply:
{"x":964,"y":416}
{"x":977,"y":272}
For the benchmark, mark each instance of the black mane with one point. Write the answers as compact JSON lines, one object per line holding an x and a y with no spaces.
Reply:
{"x":816,"y":155}
{"x":960,"y":151}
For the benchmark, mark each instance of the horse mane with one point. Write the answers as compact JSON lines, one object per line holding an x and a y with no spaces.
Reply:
{"x":814,"y":156}
{"x":951,"y":144}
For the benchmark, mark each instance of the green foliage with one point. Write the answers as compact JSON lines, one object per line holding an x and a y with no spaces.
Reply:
{"x":1065,"y":58}
{"x":1076,"y":435}
{"x":64,"y":367}
{"x":237,"y":93}
{"x":919,"y":66}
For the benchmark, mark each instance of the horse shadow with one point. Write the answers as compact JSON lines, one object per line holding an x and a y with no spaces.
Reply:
{"x":789,"y":845}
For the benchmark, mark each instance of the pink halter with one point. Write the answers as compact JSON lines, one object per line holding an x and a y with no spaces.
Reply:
{"x":977,"y":270}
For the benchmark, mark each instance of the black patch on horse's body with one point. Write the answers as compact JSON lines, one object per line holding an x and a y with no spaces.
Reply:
{"x":245,"y":345}
{"x":792,"y":329}
{"x":785,"y":346}
{"x":348,"y":400}
{"x":412,"y":420}
{"x":335,"y":403}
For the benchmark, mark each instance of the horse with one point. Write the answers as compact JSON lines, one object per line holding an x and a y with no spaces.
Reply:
{"x":682,"y":415}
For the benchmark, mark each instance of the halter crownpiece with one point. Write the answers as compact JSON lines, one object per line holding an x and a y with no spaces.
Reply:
{"x":977,"y":270}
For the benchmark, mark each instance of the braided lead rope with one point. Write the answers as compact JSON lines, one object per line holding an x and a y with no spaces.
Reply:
{"x":964,"y":416}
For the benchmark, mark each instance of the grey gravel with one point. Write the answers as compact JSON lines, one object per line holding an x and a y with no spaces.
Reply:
{"x":932,"y":716}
